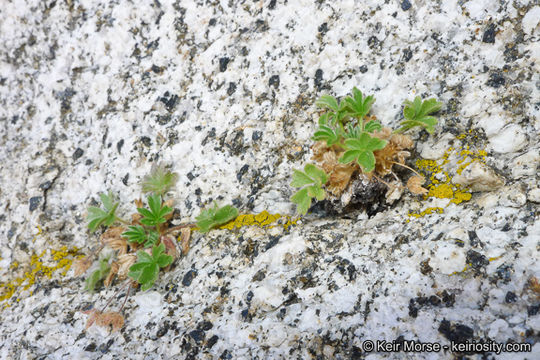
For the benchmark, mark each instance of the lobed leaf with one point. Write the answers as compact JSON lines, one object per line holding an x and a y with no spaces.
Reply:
{"x":97,"y":216}
{"x":210,"y":218}
{"x":327,"y":101}
{"x":302,"y":200}
{"x":159,"y":181}
{"x":416,"y":113}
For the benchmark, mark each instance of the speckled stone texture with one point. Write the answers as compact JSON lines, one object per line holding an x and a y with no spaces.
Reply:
{"x":92,"y":93}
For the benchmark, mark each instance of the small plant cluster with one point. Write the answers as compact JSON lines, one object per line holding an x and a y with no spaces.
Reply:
{"x":351,"y":143}
{"x":145,"y":244}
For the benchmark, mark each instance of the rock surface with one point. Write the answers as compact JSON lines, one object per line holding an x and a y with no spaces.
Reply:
{"x":92,"y":94}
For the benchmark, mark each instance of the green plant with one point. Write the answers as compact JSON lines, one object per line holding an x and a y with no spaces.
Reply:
{"x":145,"y":244}
{"x":146,"y":270}
{"x":349,"y":141}
{"x":212,"y":217}
{"x":417,"y":113}
{"x":159,"y":181}
{"x":155,"y":215}
{"x":314,"y":178}
{"x":98,"y":216}
{"x":99,"y":274}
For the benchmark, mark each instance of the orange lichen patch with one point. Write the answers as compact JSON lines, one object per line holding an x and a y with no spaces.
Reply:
{"x":441,"y":186}
{"x":61,"y":262}
{"x":263,"y":219}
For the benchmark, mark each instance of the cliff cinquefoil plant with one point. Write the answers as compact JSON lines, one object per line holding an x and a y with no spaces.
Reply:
{"x":352,"y":145}
{"x":139,"y":248}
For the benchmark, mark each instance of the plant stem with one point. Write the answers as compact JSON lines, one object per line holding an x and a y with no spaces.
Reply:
{"x":127,"y":295}
{"x":178,"y":227}
{"x":406,"y":167}
{"x":125,"y":222}
{"x":112,"y":297}
{"x":381,"y":180}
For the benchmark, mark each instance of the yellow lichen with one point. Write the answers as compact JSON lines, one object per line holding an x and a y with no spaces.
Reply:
{"x":440,"y":181}
{"x":263,"y":219}
{"x":61,"y":260}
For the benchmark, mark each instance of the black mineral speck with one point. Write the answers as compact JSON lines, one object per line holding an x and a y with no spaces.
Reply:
{"x":223,"y":62}
{"x":104,"y":348}
{"x":231,"y":89}
{"x":407,"y":54}
{"x":169,"y":100}
{"x":190,"y":176}
{"x":163,"y":329}
{"x":125,"y":179}
{"x":504,"y":273}
{"x":45,"y":186}
{"x":476,"y":260}
{"x":318,"y":79}
{"x":34,"y":202}
{"x":91,"y":347}
{"x":156,"y":69}
{"x":197,"y":335}
{"x":274,"y":81}
{"x":257,"y":135}
{"x":425,"y":268}
{"x":273,"y":241}
{"x":260,"y":275}
{"x":323,"y":28}
{"x":78,"y":153}
{"x":241,"y":172}
{"x":146,"y":141}
{"x":533,"y":310}
{"x":373,"y":42}
{"x":455,"y":332}
{"x":119,"y":145}
{"x":405,"y":5}
{"x":363,"y":69}
{"x":212,"y":22}
{"x":496,"y":80}
{"x":225,"y":355}
{"x":188,"y":278}
{"x":510,"y":297}
{"x":272,"y":4}
{"x":473,"y":238}
{"x":489,"y":34}
{"x":212,"y":341}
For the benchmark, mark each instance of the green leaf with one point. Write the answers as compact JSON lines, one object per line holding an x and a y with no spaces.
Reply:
{"x":145,"y":271}
{"x":302,"y":200}
{"x":318,"y":175}
{"x":212,"y":217}
{"x":159,"y":181}
{"x":97,"y":216}
{"x":97,"y":275}
{"x":327,"y":101}
{"x":315,"y":178}
{"x":156,"y":214}
{"x":358,"y":105}
{"x":362,"y":149}
{"x":300,"y":179}
{"x":372,"y":125}
{"x":326,"y":133}
{"x":316,"y":192}
{"x":417,"y":113}
{"x":139,"y":235}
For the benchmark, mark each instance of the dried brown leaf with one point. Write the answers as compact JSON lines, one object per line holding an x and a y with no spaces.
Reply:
{"x":80,"y":265}
{"x":92,"y":316}
{"x":170,"y":246}
{"x":415,"y":185}
{"x":111,"y":318}
{"x":185,"y":235}
{"x":112,"y":273}
{"x":385,"y":133}
{"x":124,"y":263}
{"x":534,"y":285}
{"x":402,"y":141}
{"x":112,"y":233}
{"x":340,"y":178}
